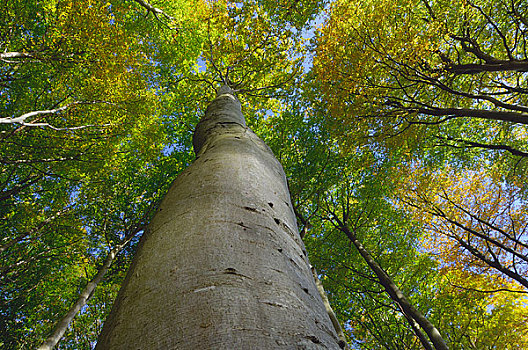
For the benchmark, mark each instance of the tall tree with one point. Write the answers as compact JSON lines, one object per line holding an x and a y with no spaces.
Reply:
{"x":222,"y":263}
{"x":405,"y":118}
{"x":437,"y":88}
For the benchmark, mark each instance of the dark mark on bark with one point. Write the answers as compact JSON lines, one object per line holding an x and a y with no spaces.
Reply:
{"x":294,"y":263}
{"x":270,"y":204}
{"x":314,"y":339}
{"x":228,"y":123}
{"x":242,"y":224}
{"x":251,"y":209}
{"x":277,"y":221}
{"x":306,"y":290}
{"x":273,"y":303}
{"x":232,"y":271}
{"x":280,"y":250}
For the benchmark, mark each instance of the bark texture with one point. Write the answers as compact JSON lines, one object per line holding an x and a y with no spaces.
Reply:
{"x":222,"y":265}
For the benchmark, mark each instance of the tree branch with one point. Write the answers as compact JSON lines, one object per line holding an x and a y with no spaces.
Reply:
{"x":513,"y":117}
{"x":498,"y":66}
{"x":472,"y":144}
{"x":157,"y":12}
{"x":22,"y":119}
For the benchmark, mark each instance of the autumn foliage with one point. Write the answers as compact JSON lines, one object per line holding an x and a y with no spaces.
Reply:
{"x":404,"y":121}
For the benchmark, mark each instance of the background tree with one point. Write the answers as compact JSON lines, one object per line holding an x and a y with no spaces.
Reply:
{"x":421,"y":86}
{"x":79,"y":119}
{"x":449,"y":73}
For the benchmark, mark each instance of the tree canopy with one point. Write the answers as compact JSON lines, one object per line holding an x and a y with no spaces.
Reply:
{"x":402,"y":127}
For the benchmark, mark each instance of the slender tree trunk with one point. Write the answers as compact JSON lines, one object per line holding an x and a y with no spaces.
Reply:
{"x":418,"y":332}
{"x":397,"y":295}
{"x":329,"y":310}
{"x":87,"y":293}
{"x":222,"y":265}
{"x":84,"y":297}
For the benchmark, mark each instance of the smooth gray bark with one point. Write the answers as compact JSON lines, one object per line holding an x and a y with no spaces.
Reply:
{"x":222,"y":265}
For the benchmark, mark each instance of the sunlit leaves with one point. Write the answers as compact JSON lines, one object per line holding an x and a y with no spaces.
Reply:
{"x":78,"y":178}
{"x":474,"y":319}
{"x":247,"y":50}
{"x":422,"y":70}
{"x":373,"y":130}
{"x":477,"y":223}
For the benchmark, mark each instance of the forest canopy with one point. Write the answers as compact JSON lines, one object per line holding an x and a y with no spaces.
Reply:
{"x":402,"y":127}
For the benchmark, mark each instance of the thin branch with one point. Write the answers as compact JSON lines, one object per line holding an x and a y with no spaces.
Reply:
{"x":22,"y":119}
{"x":521,"y":118}
{"x":472,"y":144}
{"x":157,"y":12}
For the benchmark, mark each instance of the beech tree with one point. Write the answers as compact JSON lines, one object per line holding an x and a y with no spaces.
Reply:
{"x":222,"y":263}
{"x":398,"y":124}
{"x":433,"y":89}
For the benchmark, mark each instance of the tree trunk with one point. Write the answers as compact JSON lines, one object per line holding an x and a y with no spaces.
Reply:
{"x":222,"y":265}
{"x":397,"y":295}
{"x":62,"y":326}
{"x":82,"y":300}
